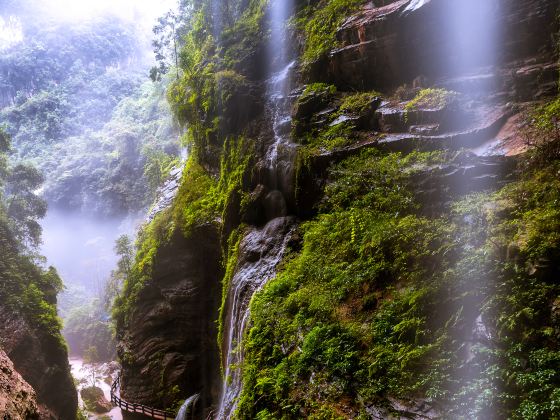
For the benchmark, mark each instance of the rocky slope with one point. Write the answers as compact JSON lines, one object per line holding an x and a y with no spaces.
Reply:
{"x":382,"y":180}
{"x":42,"y":361}
{"x":17,"y":398}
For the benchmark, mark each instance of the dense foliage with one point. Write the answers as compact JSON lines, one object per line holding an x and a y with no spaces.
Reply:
{"x":76,"y":100}
{"x":26,"y":286}
{"x":382,"y":300}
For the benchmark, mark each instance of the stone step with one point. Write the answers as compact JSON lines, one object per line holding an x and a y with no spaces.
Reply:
{"x":480,"y":132}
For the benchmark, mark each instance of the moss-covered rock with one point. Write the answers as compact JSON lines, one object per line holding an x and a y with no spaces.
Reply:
{"x":95,"y":400}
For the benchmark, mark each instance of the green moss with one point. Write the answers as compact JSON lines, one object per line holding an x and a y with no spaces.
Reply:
{"x":431,"y":98}
{"x":319,"y":23}
{"x":328,"y":138}
{"x":317,"y":89}
{"x":357,"y":103}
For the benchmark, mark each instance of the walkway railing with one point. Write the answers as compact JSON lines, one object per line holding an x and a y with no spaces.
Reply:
{"x":137,"y":408}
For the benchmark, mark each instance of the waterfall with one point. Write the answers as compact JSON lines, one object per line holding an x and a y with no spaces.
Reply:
{"x":262,"y":249}
{"x":187,"y":410}
{"x":260,"y":252}
{"x":281,"y":153}
{"x":277,"y":92}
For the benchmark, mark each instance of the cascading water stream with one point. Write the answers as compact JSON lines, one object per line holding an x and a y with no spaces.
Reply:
{"x":277,"y":91}
{"x":262,"y":249}
{"x":188,"y":409}
{"x":260,"y":252}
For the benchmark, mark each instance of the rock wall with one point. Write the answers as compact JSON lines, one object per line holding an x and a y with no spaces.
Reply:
{"x":384,"y":47}
{"x":171,"y":338}
{"x":17,"y":398}
{"x":42,"y":361}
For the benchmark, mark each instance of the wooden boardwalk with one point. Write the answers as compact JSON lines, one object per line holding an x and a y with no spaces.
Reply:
{"x":154,"y":413}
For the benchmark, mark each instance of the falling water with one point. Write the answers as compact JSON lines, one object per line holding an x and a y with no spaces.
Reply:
{"x":281,"y":152}
{"x":262,"y":249}
{"x":188,"y":409}
{"x":260,"y":252}
{"x":277,"y":91}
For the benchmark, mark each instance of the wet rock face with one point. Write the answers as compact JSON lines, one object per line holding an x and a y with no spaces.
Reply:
{"x":17,"y":398}
{"x":387,"y":46}
{"x":171,"y":337}
{"x":260,"y":251}
{"x":42,"y":362}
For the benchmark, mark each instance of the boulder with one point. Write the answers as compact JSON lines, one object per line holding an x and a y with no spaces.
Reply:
{"x":41,"y":360}
{"x":95,"y":400}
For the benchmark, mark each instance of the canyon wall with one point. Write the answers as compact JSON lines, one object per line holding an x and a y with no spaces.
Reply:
{"x":376,"y":272}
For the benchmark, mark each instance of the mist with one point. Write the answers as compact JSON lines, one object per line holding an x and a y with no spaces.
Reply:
{"x":81,"y":246}
{"x":142,"y":14}
{"x":78,"y":239}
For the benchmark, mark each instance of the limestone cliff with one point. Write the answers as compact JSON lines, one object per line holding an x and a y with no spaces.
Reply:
{"x":171,"y":338}
{"x":337,"y":317}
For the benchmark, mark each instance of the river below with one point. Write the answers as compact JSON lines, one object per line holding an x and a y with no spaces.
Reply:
{"x":83,"y":378}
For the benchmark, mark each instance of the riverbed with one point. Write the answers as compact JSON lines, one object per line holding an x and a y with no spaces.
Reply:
{"x":82,"y":376}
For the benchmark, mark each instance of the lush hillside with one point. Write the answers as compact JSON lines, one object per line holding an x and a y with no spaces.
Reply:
{"x":78,"y":103}
{"x":30,"y":332}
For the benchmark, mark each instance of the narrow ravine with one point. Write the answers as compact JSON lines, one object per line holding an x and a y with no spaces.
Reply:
{"x":279,"y":209}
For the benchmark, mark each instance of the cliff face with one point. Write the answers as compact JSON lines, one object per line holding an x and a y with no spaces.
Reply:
{"x":17,"y":398}
{"x":489,"y":41}
{"x":171,"y":339}
{"x":42,"y":361}
{"x":393,"y":299}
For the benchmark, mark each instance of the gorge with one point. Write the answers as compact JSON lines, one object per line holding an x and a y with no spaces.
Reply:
{"x":364,"y":224}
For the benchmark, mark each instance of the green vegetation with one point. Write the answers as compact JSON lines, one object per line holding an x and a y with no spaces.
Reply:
{"x":358,"y":103}
{"x":214,"y":83}
{"x":349,"y":115}
{"x":80,"y":110}
{"x":94,"y":400}
{"x":87,"y":326}
{"x":317,"y":90}
{"x":27,"y":288}
{"x":432,"y":98}
{"x":384,"y":296}
{"x":329,"y":138}
{"x":319,"y":23}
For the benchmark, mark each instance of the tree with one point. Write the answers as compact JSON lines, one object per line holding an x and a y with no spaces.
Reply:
{"x":24,"y":207}
{"x":91,"y":364}
{"x":169,"y":34}
{"x":19,"y":196}
{"x":124,"y":249}
{"x":5,"y":145}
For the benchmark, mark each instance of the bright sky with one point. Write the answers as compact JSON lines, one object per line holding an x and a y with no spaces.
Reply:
{"x":131,"y":9}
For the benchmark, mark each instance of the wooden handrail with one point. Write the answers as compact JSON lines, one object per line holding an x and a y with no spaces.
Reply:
{"x":155,"y":413}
